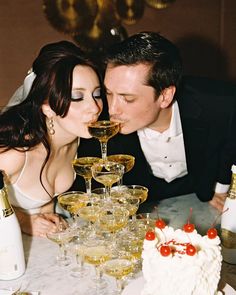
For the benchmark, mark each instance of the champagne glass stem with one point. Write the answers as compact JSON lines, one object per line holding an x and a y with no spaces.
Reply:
{"x":98,"y":280}
{"x":120,"y":286}
{"x":104,"y":150}
{"x":120,"y":182}
{"x":62,"y":252}
{"x":88,"y":183}
{"x":79,"y":262}
{"x":108,"y":192}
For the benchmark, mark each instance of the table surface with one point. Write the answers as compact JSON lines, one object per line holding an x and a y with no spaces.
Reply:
{"x":43,"y":275}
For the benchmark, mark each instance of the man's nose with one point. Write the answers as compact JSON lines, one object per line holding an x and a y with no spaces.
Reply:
{"x":114,"y":107}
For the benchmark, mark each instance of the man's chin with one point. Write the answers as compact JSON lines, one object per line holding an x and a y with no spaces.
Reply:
{"x":124,"y":130}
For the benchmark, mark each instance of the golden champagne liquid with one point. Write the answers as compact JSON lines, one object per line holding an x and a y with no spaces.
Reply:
{"x":72,"y":203}
{"x":82,"y":166}
{"x":136,"y":247}
{"x":111,"y":225}
{"x":126,"y":160}
{"x":59,"y":238}
{"x":89,"y":213}
{"x":96,"y":255}
{"x":103,"y":130}
{"x":140,"y":193}
{"x":131,"y":208}
{"x":118,"y":268}
{"x":108,"y":179}
{"x":131,"y":203}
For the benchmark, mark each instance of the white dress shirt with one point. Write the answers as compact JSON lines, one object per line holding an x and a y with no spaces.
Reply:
{"x":165,"y":151}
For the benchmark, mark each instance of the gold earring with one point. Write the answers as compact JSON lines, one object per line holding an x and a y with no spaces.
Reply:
{"x":50,"y":127}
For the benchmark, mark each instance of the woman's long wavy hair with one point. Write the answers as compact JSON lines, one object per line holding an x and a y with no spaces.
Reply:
{"x":23,"y":126}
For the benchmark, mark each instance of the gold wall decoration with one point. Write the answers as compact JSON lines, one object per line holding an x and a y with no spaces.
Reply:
{"x":159,"y":4}
{"x":96,"y":24}
{"x":106,"y":28}
{"x":70,"y":16}
{"x":99,"y":42}
{"x":130,"y":11}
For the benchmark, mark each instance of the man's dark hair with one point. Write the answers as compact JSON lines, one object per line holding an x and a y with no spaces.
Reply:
{"x":152,"y":49}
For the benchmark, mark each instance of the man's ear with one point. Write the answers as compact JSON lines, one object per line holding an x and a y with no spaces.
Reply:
{"x":48,"y":112}
{"x":167,"y":96}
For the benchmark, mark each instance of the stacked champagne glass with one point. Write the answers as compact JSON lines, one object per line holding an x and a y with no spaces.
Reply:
{"x":104,"y":232}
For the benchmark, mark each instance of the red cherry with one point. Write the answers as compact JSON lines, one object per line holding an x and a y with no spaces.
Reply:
{"x":160,"y":223}
{"x":189,"y":227}
{"x":190,"y":250}
{"x":165,"y":250}
{"x":212,"y":233}
{"x":150,"y":235}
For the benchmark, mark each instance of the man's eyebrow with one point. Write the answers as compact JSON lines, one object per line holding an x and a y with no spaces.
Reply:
{"x":123,"y":94}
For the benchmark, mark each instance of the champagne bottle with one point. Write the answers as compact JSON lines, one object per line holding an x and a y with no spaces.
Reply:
{"x":12,"y":261}
{"x":228,"y":223}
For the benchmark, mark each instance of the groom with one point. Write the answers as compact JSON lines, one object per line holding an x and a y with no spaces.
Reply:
{"x":182,"y":131}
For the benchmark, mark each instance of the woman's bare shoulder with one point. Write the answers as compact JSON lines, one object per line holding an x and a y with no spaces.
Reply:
{"x":11,"y":161}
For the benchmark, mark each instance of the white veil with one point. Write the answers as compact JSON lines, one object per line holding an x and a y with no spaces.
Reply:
{"x":21,"y":93}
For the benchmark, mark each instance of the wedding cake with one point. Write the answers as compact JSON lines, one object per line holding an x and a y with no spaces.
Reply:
{"x":181,"y":262}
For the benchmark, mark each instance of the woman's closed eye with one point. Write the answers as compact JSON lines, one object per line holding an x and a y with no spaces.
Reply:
{"x":77,"y":96}
{"x":97,"y":94}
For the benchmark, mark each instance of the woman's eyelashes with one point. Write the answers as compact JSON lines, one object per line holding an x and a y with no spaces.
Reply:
{"x":97,"y":94}
{"x":78,"y":95}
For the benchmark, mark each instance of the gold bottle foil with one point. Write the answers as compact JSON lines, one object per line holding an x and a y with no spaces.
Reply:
{"x":232,"y":189}
{"x":5,"y":207}
{"x":228,"y":238}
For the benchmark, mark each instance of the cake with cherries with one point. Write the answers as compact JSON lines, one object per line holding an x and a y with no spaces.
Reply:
{"x":181,"y":262}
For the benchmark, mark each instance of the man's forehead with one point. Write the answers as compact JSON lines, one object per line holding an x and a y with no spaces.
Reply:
{"x":126,"y":75}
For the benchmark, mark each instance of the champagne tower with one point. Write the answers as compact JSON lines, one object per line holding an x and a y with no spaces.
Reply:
{"x":228,"y":223}
{"x":12,"y":261}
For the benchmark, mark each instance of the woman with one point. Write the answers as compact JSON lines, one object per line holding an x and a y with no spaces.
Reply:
{"x":39,"y":137}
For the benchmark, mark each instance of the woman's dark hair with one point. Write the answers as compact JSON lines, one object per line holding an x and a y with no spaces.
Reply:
{"x":23,"y":126}
{"x":152,"y":49}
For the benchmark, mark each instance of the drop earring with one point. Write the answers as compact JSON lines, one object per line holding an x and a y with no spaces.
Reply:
{"x":50,"y":127}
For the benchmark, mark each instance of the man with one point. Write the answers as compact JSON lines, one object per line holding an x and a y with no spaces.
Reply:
{"x":179,"y":130}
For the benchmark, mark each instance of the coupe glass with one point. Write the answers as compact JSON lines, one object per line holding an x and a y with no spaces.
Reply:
{"x":77,"y":248}
{"x":112,"y":218}
{"x":126,"y":160}
{"x":103,"y":131}
{"x":107,"y":173}
{"x":119,"y":267}
{"x":139,"y":191}
{"x":82,"y":166}
{"x":72,"y":201}
{"x":61,"y":236}
{"x":123,"y":198}
{"x":90,"y":213}
{"x":97,"y":252}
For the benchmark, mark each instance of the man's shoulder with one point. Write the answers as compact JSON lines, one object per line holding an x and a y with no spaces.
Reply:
{"x":207,"y":85}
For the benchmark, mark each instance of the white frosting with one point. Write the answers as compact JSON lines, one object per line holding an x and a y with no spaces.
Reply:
{"x":179,"y":273}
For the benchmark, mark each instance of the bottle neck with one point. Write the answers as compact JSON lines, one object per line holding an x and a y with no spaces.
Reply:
{"x":5,"y":207}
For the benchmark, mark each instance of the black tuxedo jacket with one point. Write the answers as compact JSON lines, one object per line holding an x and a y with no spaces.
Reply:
{"x":208,"y":115}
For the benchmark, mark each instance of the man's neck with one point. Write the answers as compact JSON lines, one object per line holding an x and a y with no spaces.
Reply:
{"x":163,"y":122}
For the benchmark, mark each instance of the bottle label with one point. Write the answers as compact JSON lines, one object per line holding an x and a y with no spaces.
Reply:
{"x":6,"y":212}
{"x":8,"y":265}
{"x":5,"y":207}
{"x":228,"y":238}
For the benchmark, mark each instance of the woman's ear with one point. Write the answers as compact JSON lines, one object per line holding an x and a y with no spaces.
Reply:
{"x":167,"y":96}
{"x":47,"y":111}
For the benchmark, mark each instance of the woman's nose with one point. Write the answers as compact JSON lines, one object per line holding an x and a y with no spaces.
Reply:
{"x":96,"y":106}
